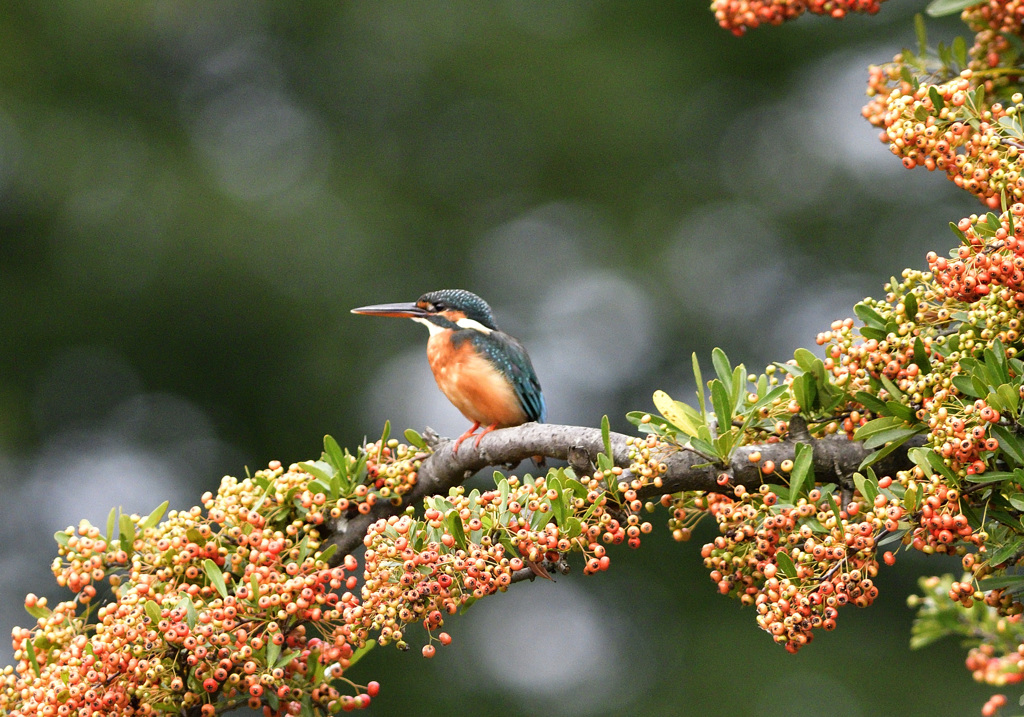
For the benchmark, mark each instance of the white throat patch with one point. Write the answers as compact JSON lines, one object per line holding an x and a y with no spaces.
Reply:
{"x":431,"y":327}
{"x":475,"y":325}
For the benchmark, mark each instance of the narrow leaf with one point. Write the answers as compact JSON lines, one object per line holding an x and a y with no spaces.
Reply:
{"x":151,"y":520}
{"x":869,"y":316}
{"x":606,"y":438}
{"x":273,"y":652}
{"x":722,"y":368}
{"x":111,"y":524}
{"x":127,"y":531}
{"x":921,"y":356}
{"x":801,"y":476}
{"x":785,"y":564}
{"x":216,"y":577}
{"x":700,"y":387}
{"x":835,"y":508}
{"x":319,"y":470}
{"x":333,"y":452}
{"x":723,"y":408}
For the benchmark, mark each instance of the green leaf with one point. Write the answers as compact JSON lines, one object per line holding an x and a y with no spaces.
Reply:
{"x":328,"y":552}
{"x":961,"y":237}
{"x":153,"y":611}
{"x":319,"y":470}
{"x":876,"y":426}
{"x":894,"y":537}
{"x":1010,"y":397}
{"x":991,"y":477}
{"x":785,"y":564}
{"x":127,"y":528}
{"x":894,"y":435}
{"x":332,"y":451}
{"x":454,"y":524}
{"x":871,"y":403}
{"x":724,"y":445}
{"x":804,"y":391}
{"x":959,"y":50}
{"x":385,"y":436}
{"x":62,"y":537}
{"x":889,"y":447}
{"x":965,"y":385}
{"x":361,"y":653}
{"x":111,"y":525}
{"x":891,"y":387}
{"x":151,"y":520}
{"x":723,"y":408}
{"x":869,"y":316}
{"x":739,"y":381}
{"x":30,"y":651}
{"x":910,"y":500}
{"x":938,"y":103}
{"x":723,"y":369}
{"x":701,"y":445}
{"x":38,"y":611}
{"x":606,"y":437}
{"x":995,"y":362}
{"x":921,"y":355}
{"x":415,"y":439}
{"x":291,"y":655}
{"x":1010,"y":444}
{"x":872,"y":333}
{"x":216,"y":577}
{"x":186,"y":604}
{"x":1013,"y":583}
{"x":805,"y":359}
{"x":1006,"y":552}
{"x":898,"y":410}
{"x":802,"y":474}
{"x":273,"y":652}
{"x":922,"y":35}
{"x":867,"y":488}
{"x":835,"y":508}
{"x":700,"y":387}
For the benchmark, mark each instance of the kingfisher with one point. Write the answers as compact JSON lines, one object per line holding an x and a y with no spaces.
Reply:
{"x":483,"y":371}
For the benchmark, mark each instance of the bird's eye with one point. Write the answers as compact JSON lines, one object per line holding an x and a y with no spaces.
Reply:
{"x":439,"y":306}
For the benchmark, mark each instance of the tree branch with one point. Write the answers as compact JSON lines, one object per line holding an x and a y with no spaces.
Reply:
{"x":444,"y":469}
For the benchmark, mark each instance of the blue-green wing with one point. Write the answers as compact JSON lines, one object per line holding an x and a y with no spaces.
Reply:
{"x":509,"y":356}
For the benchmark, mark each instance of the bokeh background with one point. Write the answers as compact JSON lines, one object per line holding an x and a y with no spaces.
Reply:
{"x":193,"y":195}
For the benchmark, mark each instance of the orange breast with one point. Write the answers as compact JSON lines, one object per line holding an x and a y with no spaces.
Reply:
{"x":472,"y":384}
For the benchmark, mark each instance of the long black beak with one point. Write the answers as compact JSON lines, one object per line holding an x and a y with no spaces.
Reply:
{"x":406,"y":310}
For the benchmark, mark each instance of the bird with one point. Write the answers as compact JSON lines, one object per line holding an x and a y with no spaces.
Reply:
{"x":483,"y":371}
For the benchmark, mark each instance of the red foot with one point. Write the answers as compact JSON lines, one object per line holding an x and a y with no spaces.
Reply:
{"x":464,"y":436}
{"x":476,"y":443}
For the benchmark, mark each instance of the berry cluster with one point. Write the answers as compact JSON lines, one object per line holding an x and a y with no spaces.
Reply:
{"x":391,"y":472}
{"x":469,"y":546}
{"x":797,"y":563}
{"x":234,"y":606}
{"x":996,"y":656}
{"x":948,"y":127}
{"x":994,"y":23}
{"x":990,"y":259}
{"x":738,"y":16}
{"x":241,"y":603}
